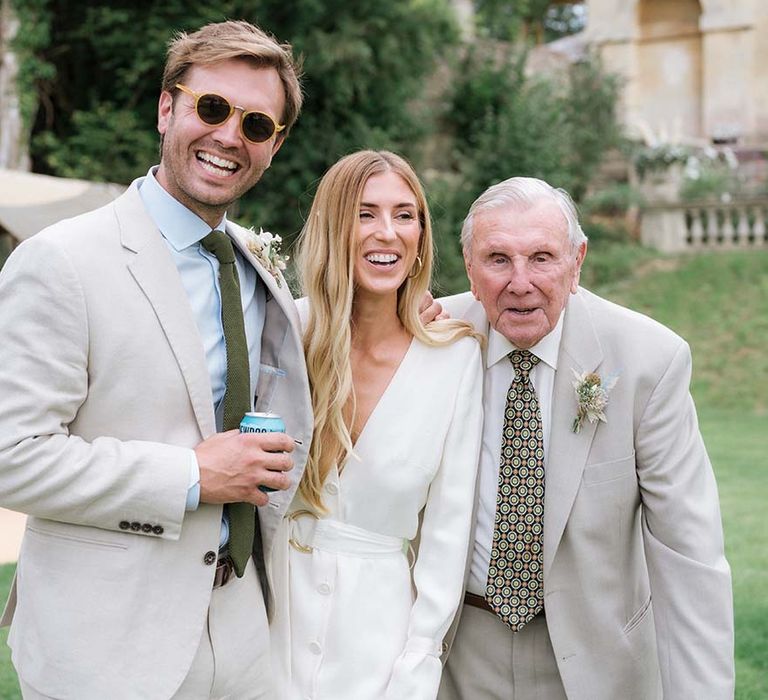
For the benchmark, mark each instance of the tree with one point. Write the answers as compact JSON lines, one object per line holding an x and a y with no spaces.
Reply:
{"x":529,"y":21}
{"x":506,"y":123}
{"x":364,"y":63}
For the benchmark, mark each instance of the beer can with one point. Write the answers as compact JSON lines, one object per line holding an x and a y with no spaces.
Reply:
{"x":262,"y":423}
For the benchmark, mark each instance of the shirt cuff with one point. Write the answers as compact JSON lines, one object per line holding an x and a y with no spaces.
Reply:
{"x":193,"y":492}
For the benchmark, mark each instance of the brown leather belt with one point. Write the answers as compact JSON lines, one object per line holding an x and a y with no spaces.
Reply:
{"x":224,"y":571}
{"x":477,"y":601}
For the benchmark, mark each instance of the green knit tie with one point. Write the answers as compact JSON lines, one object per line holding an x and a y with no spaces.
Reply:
{"x":237,"y":401}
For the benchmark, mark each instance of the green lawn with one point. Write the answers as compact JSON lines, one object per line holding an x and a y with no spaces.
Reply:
{"x":719,"y":303}
{"x":738,"y":447}
{"x":9,"y":688}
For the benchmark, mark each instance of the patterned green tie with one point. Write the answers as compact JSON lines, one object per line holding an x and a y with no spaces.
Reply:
{"x":515,"y":587}
{"x":237,"y":400}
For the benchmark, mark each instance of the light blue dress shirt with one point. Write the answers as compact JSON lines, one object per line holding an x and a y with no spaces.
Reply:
{"x":182,"y":231}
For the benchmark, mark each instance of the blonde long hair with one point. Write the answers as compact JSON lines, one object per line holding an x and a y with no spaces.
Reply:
{"x":326,"y":255}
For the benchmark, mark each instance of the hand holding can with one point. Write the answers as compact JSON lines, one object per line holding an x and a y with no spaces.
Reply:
{"x":262,"y":423}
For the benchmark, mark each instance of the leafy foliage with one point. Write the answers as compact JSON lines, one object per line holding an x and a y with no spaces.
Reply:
{"x":364,"y":64}
{"x":659,"y":157}
{"x":506,"y":123}
{"x":34,"y":35}
{"x":104,"y":129}
{"x":529,"y":20}
{"x":612,"y":201}
{"x":95,"y":68}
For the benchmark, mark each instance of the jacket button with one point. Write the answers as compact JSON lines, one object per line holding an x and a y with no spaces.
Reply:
{"x":209,"y":558}
{"x":135,"y":526}
{"x":124,"y":524}
{"x":146,"y":527}
{"x":158,"y":529}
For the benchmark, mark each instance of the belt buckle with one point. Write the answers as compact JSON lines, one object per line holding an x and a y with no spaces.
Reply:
{"x":224,"y":570}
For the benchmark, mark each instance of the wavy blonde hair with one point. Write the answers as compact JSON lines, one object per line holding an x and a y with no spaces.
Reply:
{"x":325,"y":257}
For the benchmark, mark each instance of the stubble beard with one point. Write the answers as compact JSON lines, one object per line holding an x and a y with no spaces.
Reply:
{"x":206,"y":202}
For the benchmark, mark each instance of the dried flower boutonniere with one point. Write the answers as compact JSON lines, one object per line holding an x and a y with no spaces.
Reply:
{"x":591,"y":397}
{"x":266,"y":247}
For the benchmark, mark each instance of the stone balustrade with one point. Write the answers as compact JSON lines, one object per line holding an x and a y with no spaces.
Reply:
{"x":674,"y":228}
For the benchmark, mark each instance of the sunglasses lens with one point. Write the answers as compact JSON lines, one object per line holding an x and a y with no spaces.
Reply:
{"x":258,"y":127}
{"x":212,"y":109}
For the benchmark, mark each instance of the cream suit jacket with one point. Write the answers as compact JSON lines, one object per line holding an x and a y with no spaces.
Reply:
{"x":637,"y":590}
{"x":103,"y":381}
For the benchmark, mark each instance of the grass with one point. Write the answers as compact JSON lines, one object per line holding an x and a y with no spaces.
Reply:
{"x":738,"y":447}
{"x":9,"y":687}
{"x":719,"y":303}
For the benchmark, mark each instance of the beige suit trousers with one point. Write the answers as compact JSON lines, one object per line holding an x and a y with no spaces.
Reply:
{"x":232,"y":661}
{"x":490,"y":662}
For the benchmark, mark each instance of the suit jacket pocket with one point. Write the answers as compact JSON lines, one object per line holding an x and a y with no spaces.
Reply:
{"x":639,"y":615}
{"x":64,"y":537}
{"x":269,"y":379}
{"x":609,"y":471}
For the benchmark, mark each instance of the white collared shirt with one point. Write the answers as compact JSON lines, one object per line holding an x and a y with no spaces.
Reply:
{"x":498,"y":376}
{"x":182,"y":231}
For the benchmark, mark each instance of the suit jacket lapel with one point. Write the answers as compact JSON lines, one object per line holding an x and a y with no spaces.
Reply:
{"x":288,"y":395}
{"x":580,"y":351}
{"x":153,"y":269}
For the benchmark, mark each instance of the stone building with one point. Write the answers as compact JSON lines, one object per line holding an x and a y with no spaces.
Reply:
{"x":695,"y":70}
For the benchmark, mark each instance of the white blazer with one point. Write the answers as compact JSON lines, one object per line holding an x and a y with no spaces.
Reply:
{"x":637,"y":590}
{"x":103,"y":382}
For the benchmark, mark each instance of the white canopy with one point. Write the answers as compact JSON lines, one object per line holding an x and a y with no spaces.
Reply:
{"x":29,"y":202}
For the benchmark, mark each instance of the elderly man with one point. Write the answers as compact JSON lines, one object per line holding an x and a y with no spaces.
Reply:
{"x":597,"y":570}
{"x":135,"y":337}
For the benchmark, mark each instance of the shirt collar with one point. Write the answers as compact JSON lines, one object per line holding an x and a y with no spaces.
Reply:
{"x":546,"y":349}
{"x":180,"y":226}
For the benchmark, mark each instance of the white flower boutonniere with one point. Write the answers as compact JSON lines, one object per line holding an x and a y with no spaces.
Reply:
{"x":266,"y":247}
{"x":591,"y":397}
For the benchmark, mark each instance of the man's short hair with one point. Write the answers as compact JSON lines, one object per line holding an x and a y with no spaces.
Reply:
{"x":522,"y":193}
{"x":235,"y":39}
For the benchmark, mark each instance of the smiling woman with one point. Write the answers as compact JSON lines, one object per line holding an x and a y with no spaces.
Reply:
{"x":389,"y":233}
{"x":347,"y":623}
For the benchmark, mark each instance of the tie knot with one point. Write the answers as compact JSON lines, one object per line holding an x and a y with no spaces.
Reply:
{"x":523,"y":361}
{"x":217,"y":243}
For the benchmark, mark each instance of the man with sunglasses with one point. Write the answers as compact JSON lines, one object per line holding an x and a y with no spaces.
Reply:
{"x":123,"y":370}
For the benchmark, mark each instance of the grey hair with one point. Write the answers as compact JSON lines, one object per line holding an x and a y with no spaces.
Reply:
{"x":522,"y":193}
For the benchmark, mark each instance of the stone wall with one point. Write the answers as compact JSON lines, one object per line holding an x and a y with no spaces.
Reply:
{"x":694,"y":69}
{"x":695,"y":226}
